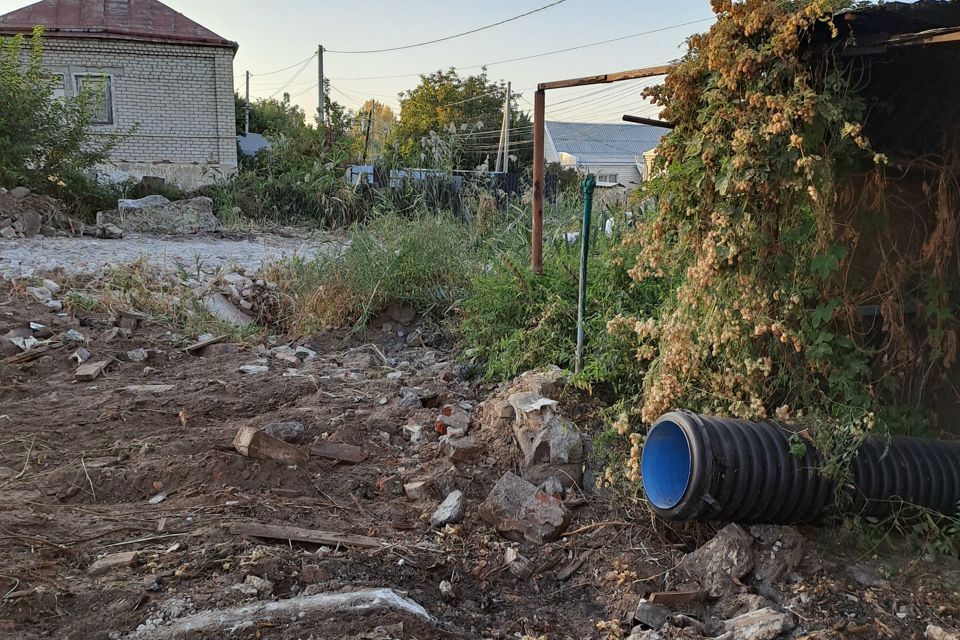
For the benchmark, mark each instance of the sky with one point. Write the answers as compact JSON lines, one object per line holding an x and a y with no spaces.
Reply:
{"x":284,"y":33}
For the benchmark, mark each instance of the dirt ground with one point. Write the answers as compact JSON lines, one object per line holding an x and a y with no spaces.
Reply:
{"x":94,"y":468}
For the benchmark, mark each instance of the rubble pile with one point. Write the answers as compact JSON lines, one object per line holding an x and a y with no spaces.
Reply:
{"x":24,"y":214}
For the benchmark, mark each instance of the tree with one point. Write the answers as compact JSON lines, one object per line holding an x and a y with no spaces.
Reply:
{"x":43,"y":138}
{"x":271,"y":117}
{"x":452,"y":121}
{"x":384,"y":120}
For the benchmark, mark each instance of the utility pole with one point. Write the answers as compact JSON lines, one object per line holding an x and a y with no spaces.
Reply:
{"x":246,"y":109}
{"x":506,"y":132}
{"x":322,"y":117}
{"x":366,"y":138}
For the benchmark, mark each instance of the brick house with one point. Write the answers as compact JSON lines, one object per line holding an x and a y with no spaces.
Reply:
{"x":158,"y":76}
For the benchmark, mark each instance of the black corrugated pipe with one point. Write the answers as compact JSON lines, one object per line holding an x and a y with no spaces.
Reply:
{"x":705,"y":468}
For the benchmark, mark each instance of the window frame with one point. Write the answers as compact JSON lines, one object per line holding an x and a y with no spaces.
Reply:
{"x":109,"y":97}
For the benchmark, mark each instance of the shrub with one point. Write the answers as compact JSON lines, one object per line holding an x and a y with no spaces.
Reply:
{"x":519,"y":321}
{"x":423,"y":261}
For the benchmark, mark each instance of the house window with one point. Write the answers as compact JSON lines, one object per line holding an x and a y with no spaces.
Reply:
{"x":608,"y":177}
{"x":99,"y":92}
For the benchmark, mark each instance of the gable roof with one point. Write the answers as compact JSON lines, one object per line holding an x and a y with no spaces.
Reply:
{"x":598,"y":143}
{"x":145,"y":20}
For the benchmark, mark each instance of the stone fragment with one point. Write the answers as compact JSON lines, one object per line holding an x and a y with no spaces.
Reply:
{"x":51,"y":286}
{"x":934,"y":632}
{"x":649,"y":615}
{"x":109,"y":231}
{"x":156,"y":214}
{"x":413,"y":433}
{"x":221,"y":308}
{"x":254,"y":369}
{"x":720,"y":564}
{"x":28,"y":223}
{"x":460,"y":449}
{"x":138,"y":355}
{"x":417,"y":490}
{"x":518,"y":565}
{"x":263,"y":586}
{"x":449,"y":511}
{"x":290,"y":432}
{"x":452,"y":421}
{"x":867,"y":577}
{"x":112,"y":562}
{"x":19,"y":192}
{"x":518,"y":511}
{"x":551,"y":445}
{"x":763,"y":624}
{"x":40,"y":293}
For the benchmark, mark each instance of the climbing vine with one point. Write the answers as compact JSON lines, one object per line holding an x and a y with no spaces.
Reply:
{"x":764,"y":192}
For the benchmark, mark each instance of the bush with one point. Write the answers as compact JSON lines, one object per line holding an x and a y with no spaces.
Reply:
{"x":44,"y":140}
{"x":519,"y":321}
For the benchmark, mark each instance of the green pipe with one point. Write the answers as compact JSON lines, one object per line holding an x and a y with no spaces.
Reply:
{"x":589,"y":183}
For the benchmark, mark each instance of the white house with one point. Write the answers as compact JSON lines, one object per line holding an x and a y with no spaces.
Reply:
{"x":160,"y":77}
{"x":614,"y":153}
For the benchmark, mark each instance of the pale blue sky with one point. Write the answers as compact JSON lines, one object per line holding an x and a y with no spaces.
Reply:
{"x":278,"y":34}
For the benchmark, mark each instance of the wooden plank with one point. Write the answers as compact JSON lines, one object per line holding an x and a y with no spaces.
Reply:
{"x":32,"y":354}
{"x":90,"y":371}
{"x":254,"y":443}
{"x":339,"y":452}
{"x":309,"y":536}
{"x":536,"y":248}
{"x":196,"y":346}
{"x":632,"y":74}
{"x":676,"y":597}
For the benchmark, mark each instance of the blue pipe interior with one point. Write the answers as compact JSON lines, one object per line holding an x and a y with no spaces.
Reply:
{"x":666,"y":465}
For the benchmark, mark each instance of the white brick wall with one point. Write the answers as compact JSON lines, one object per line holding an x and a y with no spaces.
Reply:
{"x":177,"y":99}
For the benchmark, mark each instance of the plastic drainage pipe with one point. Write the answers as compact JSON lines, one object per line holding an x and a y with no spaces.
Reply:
{"x":706,"y":468}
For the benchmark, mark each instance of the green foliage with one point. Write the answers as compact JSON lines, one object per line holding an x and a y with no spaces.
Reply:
{"x":519,"y":321}
{"x":463,"y":116}
{"x":271,"y":117}
{"x":43,"y":139}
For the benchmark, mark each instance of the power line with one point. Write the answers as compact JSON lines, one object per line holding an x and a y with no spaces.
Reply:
{"x":538,"y":55}
{"x":292,"y":78}
{"x":270,"y":73}
{"x":456,"y":35}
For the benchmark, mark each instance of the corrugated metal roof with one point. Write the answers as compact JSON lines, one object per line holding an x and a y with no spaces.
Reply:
{"x":118,"y":19}
{"x":595,"y":143}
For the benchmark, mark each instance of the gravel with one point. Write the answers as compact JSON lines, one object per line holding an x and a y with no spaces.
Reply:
{"x":27,"y":257}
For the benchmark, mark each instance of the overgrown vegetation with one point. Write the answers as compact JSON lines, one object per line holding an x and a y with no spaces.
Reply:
{"x":758,"y":234}
{"x":46,"y":142}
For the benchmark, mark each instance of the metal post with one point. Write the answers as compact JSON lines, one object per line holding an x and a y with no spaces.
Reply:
{"x":246,"y":110}
{"x":536,"y":248}
{"x":322,"y":117}
{"x":589,"y":183}
{"x":506,"y":132}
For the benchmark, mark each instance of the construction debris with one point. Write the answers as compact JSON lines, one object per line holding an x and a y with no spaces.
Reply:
{"x":90,"y":371}
{"x":112,"y":562}
{"x":519,"y":510}
{"x":309,"y":536}
{"x":254,"y":443}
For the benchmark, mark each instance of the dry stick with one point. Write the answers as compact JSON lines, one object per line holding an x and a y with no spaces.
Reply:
{"x":148,"y":539}
{"x":12,"y":589}
{"x":26,"y":463}
{"x":600,"y":525}
{"x":92,"y":490}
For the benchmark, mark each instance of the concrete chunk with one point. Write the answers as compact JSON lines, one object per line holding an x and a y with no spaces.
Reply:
{"x":113,"y":562}
{"x":518,"y":511}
